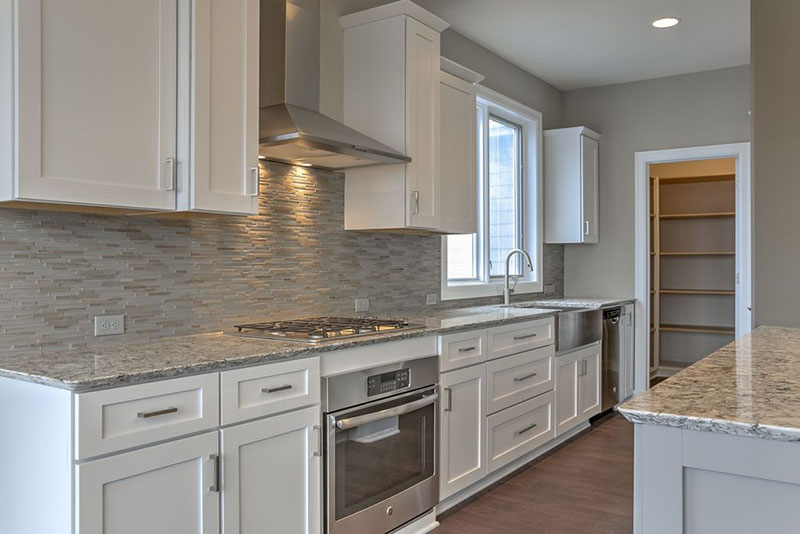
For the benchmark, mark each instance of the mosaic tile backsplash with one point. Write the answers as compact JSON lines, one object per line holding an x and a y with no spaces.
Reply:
{"x":174,"y":276}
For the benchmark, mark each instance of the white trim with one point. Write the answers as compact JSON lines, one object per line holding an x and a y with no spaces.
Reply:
{"x":744,"y":198}
{"x":533,"y":238}
{"x":400,"y":7}
{"x":460,"y":71}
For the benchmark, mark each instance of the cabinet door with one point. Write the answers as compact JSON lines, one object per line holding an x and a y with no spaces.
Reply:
{"x":463,"y":429}
{"x":422,"y":85}
{"x":627,"y":357}
{"x":458,"y":167}
{"x":567,"y":411}
{"x":164,"y":489}
{"x":224,"y":150}
{"x":589,"y":175}
{"x":98,"y":102}
{"x":589,"y":381}
{"x":271,"y":475}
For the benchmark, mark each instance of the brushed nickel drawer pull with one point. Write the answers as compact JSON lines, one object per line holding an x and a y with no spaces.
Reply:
{"x":526,"y":377}
{"x":526,"y":429}
{"x":318,"y":452}
{"x":467,"y":349}
{"x":527,"y":336}
{"x":156,"y":413}
{"x":215,"y":486}
{"x":449,"y":392}
{"x":276,"y":389}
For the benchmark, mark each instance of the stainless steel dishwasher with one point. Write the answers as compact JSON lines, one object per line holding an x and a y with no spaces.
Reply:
{"x":612,"y":349}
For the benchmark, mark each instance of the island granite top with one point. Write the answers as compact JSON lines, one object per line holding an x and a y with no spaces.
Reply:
{"x":750,"y":387}
{"x":119,"y":364}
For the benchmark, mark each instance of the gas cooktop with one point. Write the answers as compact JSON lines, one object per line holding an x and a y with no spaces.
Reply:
{"x":321,"y":329}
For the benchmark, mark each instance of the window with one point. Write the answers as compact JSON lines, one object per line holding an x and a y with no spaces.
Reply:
{"x":508,"y":204}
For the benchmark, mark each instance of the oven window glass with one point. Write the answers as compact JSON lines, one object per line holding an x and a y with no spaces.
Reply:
{"x":376,"y":461}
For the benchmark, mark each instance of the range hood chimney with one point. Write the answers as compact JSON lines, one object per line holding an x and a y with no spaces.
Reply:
{"x":291,"y":128}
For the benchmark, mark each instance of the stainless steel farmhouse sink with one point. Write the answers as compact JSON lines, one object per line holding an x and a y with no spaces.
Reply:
{"x":575,"y":327}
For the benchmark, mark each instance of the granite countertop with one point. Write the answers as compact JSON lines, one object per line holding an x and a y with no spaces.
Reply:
{"x":589,"y":302}
{"x":748,"y":388}
{"x":118,"y":364}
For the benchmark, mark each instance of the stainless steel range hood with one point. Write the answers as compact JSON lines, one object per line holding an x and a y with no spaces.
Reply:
{"x":291,"y":128}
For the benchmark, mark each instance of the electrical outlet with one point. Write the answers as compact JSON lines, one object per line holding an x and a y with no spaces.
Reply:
{"x":430,"y":298}
{"x":362,"y":305}
{"x":549,"y":289}
{"x":106,"y":325}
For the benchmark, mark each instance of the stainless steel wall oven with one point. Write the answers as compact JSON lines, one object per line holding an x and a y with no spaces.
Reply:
{"x":381,"y":447}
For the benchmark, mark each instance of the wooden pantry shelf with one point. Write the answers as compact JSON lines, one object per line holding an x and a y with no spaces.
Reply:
{"x":721,"y":253}
{"x":698,"y":329}
{"x":679,"y":216}
{"x":697,"y":292}
{"x":698,"y":179}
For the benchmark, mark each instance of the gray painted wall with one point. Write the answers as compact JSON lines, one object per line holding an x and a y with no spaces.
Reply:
{"x":776,"y":177}
{"x":705,"y":108}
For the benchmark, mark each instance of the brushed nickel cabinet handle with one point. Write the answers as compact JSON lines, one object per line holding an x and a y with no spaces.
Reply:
{"x":415,"y":200}
{"x":256,"y":181}
{"x":527,"y":336}
{"x":449,"y":393}
{"x":318,"y":428}
{"x":526,"y":429}
{"x":525,"y":377}
{"x":172,"y":174}
{"x":156,"y":413}
{"x":467,"y":349}
{"x":215,"y":486}
{"x":276,"y":389}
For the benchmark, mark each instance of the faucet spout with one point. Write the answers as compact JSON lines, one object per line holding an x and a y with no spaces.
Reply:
{"x":507,"y":291}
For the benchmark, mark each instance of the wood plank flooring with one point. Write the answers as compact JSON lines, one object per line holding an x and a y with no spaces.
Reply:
{"x":583,"y":487}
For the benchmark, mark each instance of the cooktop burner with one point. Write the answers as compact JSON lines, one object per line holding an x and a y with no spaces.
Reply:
{"x":320,"y":329}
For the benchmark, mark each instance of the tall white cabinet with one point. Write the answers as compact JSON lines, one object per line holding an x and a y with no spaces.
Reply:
{"x":571,"y":169}
{"x":147,"y":105}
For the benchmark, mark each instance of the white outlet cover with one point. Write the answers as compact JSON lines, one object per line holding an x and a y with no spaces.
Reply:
{"x":430,"y":298}
{"x":362,"y":305}
{"x":106,"y":325}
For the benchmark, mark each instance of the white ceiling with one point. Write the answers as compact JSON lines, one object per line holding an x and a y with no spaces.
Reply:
{"x":573,"y":44}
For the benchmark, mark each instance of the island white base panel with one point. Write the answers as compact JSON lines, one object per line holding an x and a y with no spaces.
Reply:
{"x":694,"y":482}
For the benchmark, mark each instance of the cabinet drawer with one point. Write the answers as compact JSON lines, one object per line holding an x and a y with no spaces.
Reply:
{"x":268,"y":389}
{"x":117,"y":419}
{"x":461,"y":350}
{"x":520,"y":377}
{"x":519,"y":337}
{"x":520,"y":429}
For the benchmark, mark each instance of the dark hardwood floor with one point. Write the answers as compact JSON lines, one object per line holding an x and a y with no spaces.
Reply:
{"x":583,"y":487}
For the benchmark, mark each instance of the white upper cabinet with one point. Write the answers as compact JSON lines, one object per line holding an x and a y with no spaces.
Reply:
{"x":571,"y":179}
{"x":458,"y":149}
{"x":391,"y":93}
{"x":149,"y":104}
{"x":223,"y":171}
{"x":96,"y":102}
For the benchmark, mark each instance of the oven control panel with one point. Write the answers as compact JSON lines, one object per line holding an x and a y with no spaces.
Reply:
{"x":387,"y":382}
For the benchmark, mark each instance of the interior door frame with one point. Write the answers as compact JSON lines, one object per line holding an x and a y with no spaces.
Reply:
{"x":741,"y":152}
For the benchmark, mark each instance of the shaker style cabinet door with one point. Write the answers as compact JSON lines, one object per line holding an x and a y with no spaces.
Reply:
{"x":589,"y":379}
{"x":463,"y":429}
{"x":271,"y":475}
{"x":567,"y":393}
{"x":224,"y":150}
{"x":97,"y":98}
{"x":164,"y":489}
{"x":589,"y":167}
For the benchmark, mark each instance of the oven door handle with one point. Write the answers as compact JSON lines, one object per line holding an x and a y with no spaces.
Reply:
{"x":353,"y":422}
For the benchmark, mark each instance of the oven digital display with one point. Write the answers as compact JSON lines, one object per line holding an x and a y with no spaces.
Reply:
{"x":387,"y":382}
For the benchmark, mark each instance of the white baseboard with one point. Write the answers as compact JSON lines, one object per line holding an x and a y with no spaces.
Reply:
{"x":506,"y":470}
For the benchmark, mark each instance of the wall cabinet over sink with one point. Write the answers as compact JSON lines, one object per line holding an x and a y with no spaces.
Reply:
{"x":394,"y":92}
{"x":571,"y":164}
{"x":149,"y":105}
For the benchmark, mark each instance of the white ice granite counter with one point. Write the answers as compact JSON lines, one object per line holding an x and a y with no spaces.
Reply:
{"x":748,"y":388}
{"x":117,"y":364}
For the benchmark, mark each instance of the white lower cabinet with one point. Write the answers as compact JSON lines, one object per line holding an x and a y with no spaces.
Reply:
{"x":271,"y":475}
{"x":578,"y":387}
{"x":163,"y":489}
{"x":462,"y":429}
{"x":520,"y":429}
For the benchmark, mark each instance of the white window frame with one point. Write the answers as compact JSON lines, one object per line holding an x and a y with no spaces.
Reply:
{"x":531,"y":224}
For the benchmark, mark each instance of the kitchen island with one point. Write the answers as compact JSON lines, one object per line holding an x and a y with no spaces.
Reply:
{"x":717,"y":445}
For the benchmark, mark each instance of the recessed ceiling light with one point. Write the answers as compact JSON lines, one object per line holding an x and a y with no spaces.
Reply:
{"x":666,"y":22}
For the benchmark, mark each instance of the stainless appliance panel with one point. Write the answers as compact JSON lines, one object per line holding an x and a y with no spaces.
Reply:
{"x":352,"y":389}
{"x":612,"y":350}
{"x":382,"y":463}
{"x":577,"y":327}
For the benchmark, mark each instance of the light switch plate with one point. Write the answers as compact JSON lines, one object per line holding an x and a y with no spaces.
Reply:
{"x":362,"y":305}
{"x":106,"y":325}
